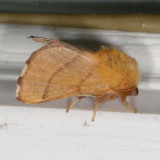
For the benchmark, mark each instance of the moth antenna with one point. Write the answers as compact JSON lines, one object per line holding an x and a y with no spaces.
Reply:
{"x":127,"y":105}
{"x":40,"y":39}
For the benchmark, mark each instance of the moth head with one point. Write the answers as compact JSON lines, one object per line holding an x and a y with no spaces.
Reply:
{"x":127,"y":92}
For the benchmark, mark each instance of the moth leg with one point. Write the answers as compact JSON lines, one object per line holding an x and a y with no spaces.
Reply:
{"x":74,"y":102}
{"x":127,"y":105}
{"x":95,"y":110}
{"x":40,"y":39}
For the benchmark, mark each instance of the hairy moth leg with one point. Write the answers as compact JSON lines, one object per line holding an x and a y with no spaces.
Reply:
{"x":95,"y":110}
{"x":102,"y":99}
{"x":74,"y":102}
{"x":70,"y":106}
{"x":127,"y":105}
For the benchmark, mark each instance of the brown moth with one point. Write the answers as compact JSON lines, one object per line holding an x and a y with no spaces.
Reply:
{"x":59,"y":70}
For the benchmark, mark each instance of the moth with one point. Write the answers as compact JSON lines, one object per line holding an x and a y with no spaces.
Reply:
{"x":59,"y":70}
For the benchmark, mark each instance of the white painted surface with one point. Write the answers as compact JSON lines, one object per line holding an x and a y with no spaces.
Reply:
{"x":45,"y":131}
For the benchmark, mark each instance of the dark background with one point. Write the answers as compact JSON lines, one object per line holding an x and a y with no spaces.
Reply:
{"x":81,"y":6}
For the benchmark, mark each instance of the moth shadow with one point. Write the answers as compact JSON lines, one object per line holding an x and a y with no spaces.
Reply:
{"x":90,"y":44}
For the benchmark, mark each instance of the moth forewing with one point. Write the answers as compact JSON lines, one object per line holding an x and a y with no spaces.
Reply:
{"x":59,"y":70}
